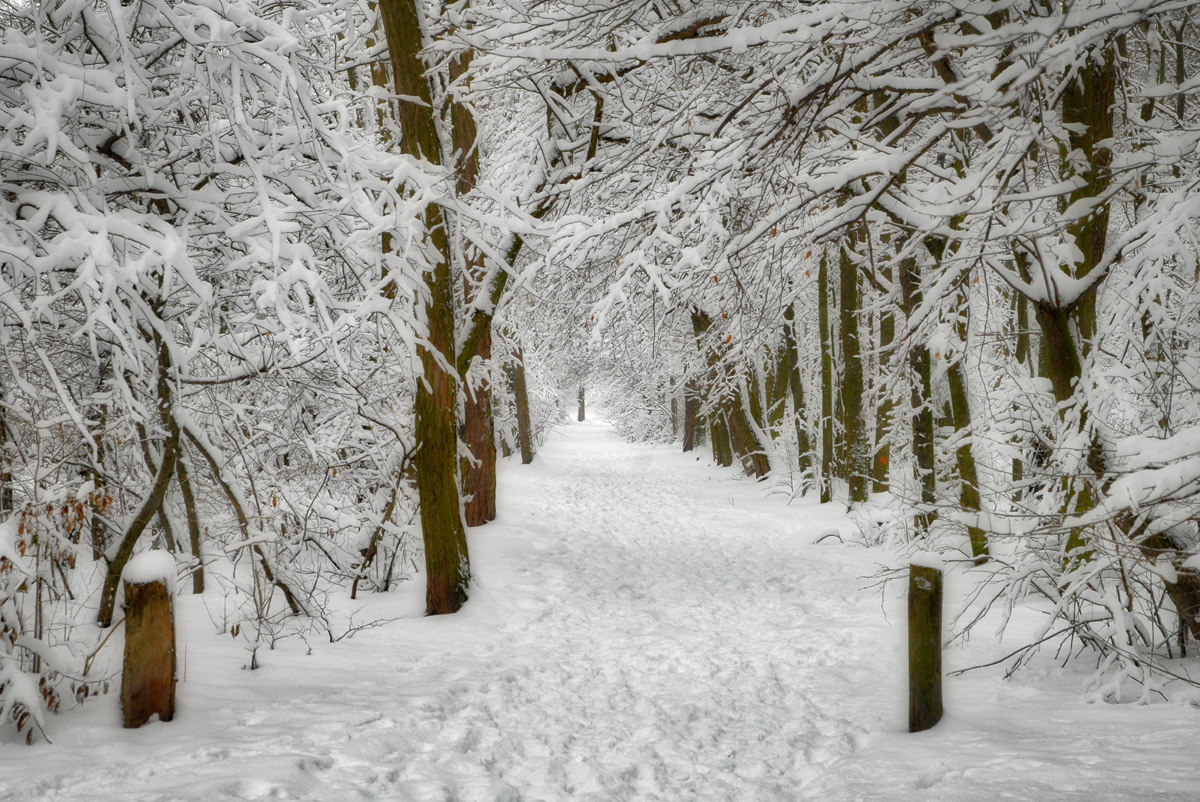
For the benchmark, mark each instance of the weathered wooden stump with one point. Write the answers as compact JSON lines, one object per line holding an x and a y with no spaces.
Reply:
{"x":924,"y":647}
{"x":148,"y":679}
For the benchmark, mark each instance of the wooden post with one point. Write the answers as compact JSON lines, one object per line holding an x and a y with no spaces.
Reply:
{"x":148,"y":680}
{"x":924,"y":647}
{"x":581,"y":409}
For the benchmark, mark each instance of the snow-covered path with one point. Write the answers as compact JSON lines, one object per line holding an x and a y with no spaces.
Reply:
{"x":668,"y":649}
{"x":642,"y":627}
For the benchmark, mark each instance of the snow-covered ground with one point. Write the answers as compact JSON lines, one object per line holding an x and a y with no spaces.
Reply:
{"x":643,"y":627}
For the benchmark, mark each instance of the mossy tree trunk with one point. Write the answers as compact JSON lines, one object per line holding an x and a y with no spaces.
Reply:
{"x":742,"y":438}
{"x":447,"y":565}
{"x":729,"y":422}
{"x":719,"y":435}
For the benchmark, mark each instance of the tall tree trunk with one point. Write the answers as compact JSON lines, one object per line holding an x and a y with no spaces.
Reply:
{"x":742,"y":438}
{"x":193,"y":522}
{"x":729,"y":423}
{"x":521,"y":401}
{"x":796,"y":386}
{"x":719,"y":435}
{"x":968,"y":477}
{"x":1087,"y":111}
{"x":826,"y":381}
{"x":479,"y":435}
{"x":883,"y":415}
{"x":479,"y":431}
{"x":857,"y":464}
{"x":691,"y":413}
{"x":7,"y":496}
{"x":447,"y":565}
{"x":1023,"y":357}
{"x":920,"y":395}
{"x":674,"y":394}
{"x":153,"y":500}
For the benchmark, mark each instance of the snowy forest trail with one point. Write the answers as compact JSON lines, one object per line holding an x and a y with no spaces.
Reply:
{"x":642,"y":626}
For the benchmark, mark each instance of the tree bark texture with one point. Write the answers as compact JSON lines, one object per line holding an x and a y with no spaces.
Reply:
{"x":479,"y":435}
{"x":920,"y":395}
{"x":193,"y":522}
{"x":479,"y":431}
{"x":447,"y":565}
{"x":826,"y":381}
{"x":521,"y":402}
{"x":924,"y":647}
{"x":857,"y":464}
{"x":881,"y":456}
{"x":153,"y":500}
{"x":965,"y":460}
{"x":691,"y":412}
{"x":6,"y":489}
{"x":729,"y":423}
{"x":796,"y":386}
{"x":148,"y":677}
{"x":719,"y":435}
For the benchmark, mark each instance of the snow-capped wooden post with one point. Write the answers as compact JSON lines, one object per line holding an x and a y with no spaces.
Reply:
{"x":581,"y":404}
{"x":924,"y":643}
{"x":148,"y":679}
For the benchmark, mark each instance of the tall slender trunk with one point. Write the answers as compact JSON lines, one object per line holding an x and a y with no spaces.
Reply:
{"x":920,"y":395}
{"x":1087,"y":110}
{"x":193,"y":522}
{"x":447,"y":565}
{"x":796,"y":387}
{"x":857,"y":462}
{"x":691,"y":414}
{"x":479,"y":436}
{"x":881,"y":458}
{"x":674,"y":403}
{"x":153,"y":500}
{"x":968,"y":476}
{"x":521,"y":402}
{"x":7,"y":496}
{"x":1023,"y":357}
{"x":479,"y":430}
{"x":826,"y":381}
